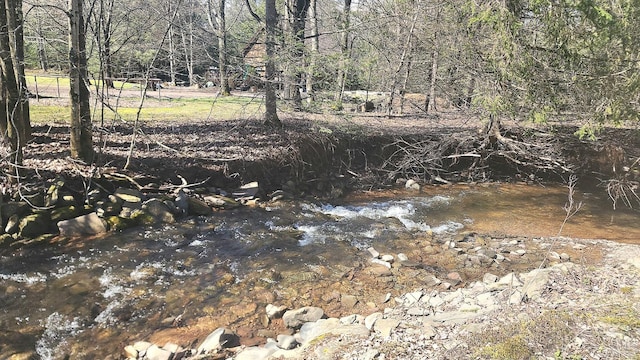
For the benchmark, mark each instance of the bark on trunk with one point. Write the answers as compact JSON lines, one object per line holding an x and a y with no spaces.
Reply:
{"x":315,"y":50}
{"x":81,"y":127}
{"x":271,"y":115}
{"x":14,"y":111}
{"x":344,"y":49}
{"x":225,"y":89}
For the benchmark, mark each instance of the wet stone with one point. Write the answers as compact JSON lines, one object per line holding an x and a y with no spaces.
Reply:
{"x":296,"y":318}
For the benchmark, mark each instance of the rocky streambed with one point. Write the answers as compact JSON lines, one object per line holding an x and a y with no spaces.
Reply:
{"x":579,"y":303}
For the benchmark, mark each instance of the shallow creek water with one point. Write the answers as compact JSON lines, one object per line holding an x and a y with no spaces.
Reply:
{"x":91,"y":297}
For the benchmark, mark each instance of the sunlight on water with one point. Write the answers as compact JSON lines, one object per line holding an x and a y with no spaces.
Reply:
{"x":57,"y":328}
{"x":24,"y":278}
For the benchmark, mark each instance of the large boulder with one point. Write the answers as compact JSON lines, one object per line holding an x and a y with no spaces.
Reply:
{"x":90,"y":224}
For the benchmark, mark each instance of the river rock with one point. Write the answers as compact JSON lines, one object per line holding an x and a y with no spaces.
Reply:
{"x":64,"y":213}
{"x":312,"y":330}
{"x":130,"y":352}
{"x":386,"y":326}
{"x":535,"y":282}
{"x":489,"y":278}
{"x":412,"y":185}
{"x":6,"y":239}
{"x":34,"y":225}
{"x":380,"y":262}
{"x":159,"y":210}
{"x":182,"y":202}
{"x":296,"y":318}
{"x":219,"y":201}
{"x":286,"y":342}
{"x":255,"y":353}
{"x":129,"y":195}
{"x":246,"y":191}
{"x":275,"y":312}
{"x":198,"y":207}
{"x":218,"y":339}
{"x":348,"y":301}
{"x":90,"y":224}
{"x":156,"y":353}
{"x":370,"y":320}
{"x":388,"y":258}
{"x":373,"y":252}
{"x":53,"y":193}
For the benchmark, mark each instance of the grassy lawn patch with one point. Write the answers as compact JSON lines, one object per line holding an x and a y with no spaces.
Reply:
{"x":186,"y":109}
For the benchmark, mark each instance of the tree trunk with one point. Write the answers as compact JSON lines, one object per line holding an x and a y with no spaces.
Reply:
{"x":406,"y":53}
{"x":14,"y":111}
{"x":217,"y":22}
{"x":430,"y":104}
{"x":296,"y":11}
{"x":271,"y":115}
{"x":344,"y":50}
{"x":81,"y":128}
{"x":107,"y":64}
{"x":172,"y":56}
{"x":16,"y":37}
{"x":187,"y":45}
{"x":225,"y":89}
{"x":315,"y":50}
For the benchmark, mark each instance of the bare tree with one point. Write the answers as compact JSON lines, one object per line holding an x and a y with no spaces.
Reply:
{"x":217,"y":21}
{"x":14,"y":114}
{"x":81,"y":127}
{"x":271,"y":18}
{"x":314,"y":49}
{"x":344,"y":26}
{"x":295,"y":16}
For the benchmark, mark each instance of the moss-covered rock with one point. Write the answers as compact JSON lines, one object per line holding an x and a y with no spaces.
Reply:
{"x":117,"y":223}
{"x":6,"y":239}
{"x":34,"y":225}
{"x":65,"y":213}
{"x":142,"y":217}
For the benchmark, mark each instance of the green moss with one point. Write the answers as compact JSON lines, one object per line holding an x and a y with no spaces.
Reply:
{"x":117,"y":223}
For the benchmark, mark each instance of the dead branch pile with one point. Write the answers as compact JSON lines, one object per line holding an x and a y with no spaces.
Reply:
{"x":472,"y":156}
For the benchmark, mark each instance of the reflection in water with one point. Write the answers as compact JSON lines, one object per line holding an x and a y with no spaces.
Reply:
{"x":93,"y":296}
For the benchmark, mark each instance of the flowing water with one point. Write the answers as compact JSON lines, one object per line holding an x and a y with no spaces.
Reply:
{"x":91,"y":297}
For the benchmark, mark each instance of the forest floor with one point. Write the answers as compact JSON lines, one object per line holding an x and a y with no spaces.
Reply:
{"x":345,"y":150}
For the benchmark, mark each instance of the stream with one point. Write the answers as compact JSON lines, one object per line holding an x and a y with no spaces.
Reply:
{"x":88,"y":298}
